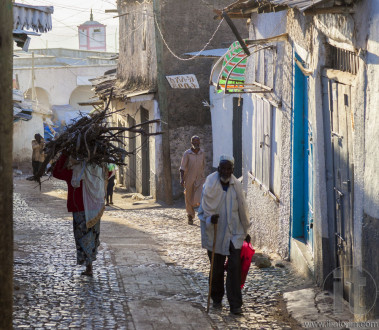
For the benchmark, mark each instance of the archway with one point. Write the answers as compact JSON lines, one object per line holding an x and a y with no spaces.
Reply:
{"x":81,"y":94}
{"x":42,"y":104}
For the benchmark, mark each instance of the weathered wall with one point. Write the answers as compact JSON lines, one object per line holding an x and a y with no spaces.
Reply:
{"x":187,"y":115}
{"x":137,"y":66}
{"x":55,"y":85}
{"x":23,"y":133}
{"x":370,"y":223}
{"x":351,"y":32}
{"x":222,"y":117}
{"x":58,"y":82}
{"x":194,"y":31}
{"x":121,"y":118}
{"x":270,"y":220}
{"x":194,"y":25}
{"x":308,"y":44}
{"x":180,"y":141}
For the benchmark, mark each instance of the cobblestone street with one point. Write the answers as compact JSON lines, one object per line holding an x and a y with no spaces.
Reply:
{"x":168,"y":268}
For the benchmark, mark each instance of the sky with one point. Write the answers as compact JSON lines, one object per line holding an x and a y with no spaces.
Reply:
{"x":68,"y":14}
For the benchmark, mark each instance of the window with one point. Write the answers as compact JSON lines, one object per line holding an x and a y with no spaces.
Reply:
{"x":266,"y":147}
{"x":96,"y":30}
{"x":343,"y":60}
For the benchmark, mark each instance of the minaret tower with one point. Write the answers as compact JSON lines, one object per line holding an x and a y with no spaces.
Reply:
{"x":92,"y":35}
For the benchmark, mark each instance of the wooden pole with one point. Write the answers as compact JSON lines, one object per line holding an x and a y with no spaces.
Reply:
{"x":6,"y":178}
{"x":236,"y":33}
{"x":212,"y":263}
{"x":164,"y":185}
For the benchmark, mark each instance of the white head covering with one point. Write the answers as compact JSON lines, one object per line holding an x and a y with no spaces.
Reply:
{"x":227,"y":158}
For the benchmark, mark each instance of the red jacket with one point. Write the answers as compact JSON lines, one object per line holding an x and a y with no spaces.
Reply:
{"x":75,"y":195}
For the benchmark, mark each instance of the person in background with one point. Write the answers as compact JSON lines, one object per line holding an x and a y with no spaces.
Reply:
{"x":38,"y":155}
{"x":112,"y":168}
{"x":192,"y":176}
{"x":223,"y":202}
{"x":85,"y":200}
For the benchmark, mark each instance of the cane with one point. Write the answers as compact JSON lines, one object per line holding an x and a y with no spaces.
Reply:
{"x":212,"y":260}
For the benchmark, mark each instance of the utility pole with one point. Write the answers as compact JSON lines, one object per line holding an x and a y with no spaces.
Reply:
{"x":6,"y":178}
{"x":33,"y":78}
{"x":164,"y":186}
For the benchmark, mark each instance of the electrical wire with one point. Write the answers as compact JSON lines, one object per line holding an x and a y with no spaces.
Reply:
{"x":192,"y":57}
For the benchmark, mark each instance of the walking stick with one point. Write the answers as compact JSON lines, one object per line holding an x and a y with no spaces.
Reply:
{"x":212,"y":261}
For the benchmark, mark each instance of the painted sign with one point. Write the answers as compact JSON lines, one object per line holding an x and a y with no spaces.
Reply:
{"x":183,"y":81}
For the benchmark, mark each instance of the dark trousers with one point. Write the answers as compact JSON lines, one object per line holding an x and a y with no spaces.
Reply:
{"x":36,"y":165}
{"x":233,"y":277}
{"x":110,"y":187}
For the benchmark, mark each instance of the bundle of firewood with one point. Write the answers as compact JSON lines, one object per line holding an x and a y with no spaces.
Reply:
{"x":92,"y":139}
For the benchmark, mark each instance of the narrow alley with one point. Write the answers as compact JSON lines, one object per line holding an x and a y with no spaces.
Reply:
{"x":150,"y":273}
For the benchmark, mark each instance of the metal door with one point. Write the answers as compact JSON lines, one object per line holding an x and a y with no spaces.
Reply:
{"x":341,"y":136}
{"x":302,"y":161}
{"x":237,"y":136}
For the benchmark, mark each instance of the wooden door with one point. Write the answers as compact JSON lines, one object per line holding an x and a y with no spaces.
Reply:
{"x":341,"y":137}
{"x":132,"y":157}
{"x":237,"y":136}
{"x":145,"y":150}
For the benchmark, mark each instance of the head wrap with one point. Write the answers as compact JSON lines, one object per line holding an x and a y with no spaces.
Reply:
{"x":224,"y":158}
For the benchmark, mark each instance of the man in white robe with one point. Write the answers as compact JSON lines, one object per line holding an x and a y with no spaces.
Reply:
{"x":223,"y":202}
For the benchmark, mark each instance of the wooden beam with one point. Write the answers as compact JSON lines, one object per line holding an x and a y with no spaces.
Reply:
{"x":6,"y":175}
{"x":234,"y":16}
{"x":280,"y":37}
{"x":305,"y":71}
{"x":342,"y":77}
{"x":254,"y":83}
{"x":330,"y":10}
{"x":236,"y":33}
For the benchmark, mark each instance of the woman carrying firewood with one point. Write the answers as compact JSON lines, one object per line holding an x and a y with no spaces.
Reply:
{"x":85,"y":200}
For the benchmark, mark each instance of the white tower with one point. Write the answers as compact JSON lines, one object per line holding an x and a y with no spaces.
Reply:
{"x":92,"y":35}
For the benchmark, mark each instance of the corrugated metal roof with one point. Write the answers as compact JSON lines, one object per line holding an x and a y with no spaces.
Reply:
{"x":29,"y":33}
{"x":37,"y":18}
{"x":240,"y":8}
{"x":299,"y":4}
{"x":213,"y":53}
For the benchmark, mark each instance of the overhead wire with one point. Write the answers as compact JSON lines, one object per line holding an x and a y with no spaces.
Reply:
{"x":192,"y":57}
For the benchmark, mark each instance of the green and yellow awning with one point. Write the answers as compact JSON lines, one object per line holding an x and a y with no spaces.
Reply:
{"x":231,"y":78}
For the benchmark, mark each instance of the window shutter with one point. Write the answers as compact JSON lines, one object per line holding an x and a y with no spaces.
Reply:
{"x":266,"y":138}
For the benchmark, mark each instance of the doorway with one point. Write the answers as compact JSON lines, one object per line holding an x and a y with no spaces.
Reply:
{"x":339,"y":96}
{"x":237,"y":135}
{"x":145,"y":151}
{"x":302,"y":161}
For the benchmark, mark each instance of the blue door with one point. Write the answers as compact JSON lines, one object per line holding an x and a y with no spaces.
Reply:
{"x":302,"y":161}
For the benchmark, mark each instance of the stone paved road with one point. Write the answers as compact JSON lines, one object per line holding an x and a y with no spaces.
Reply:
{"x":50,"y":293}
{"x":181,"y":242}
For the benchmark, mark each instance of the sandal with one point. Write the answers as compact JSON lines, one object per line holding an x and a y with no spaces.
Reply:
{"x":87,"y":273}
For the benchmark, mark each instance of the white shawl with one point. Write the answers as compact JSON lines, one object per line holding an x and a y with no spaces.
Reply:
{"x":213,"y":197}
